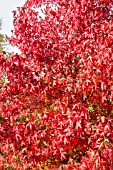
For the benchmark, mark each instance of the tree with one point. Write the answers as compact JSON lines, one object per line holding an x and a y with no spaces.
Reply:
{"x":1,"y":38}
{"x":57,"y":107}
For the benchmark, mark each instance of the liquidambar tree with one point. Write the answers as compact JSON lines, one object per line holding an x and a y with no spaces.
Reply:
{"x":56,"y":109}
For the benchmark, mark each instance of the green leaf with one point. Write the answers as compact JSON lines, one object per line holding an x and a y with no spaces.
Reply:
{"x":45,"y":144}
{"x":38,"y":121}
{"x":90,"y":109}
{"x":22,"y":119}
{"x":52,"y":134}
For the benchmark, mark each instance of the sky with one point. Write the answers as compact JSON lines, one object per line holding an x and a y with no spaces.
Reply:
{"x":6,"y":8}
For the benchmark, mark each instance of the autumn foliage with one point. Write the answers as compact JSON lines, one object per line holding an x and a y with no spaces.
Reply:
{"x":56,"y":97}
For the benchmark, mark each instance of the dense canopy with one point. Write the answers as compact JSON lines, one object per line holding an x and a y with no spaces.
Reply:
{"x":56,"y":97}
